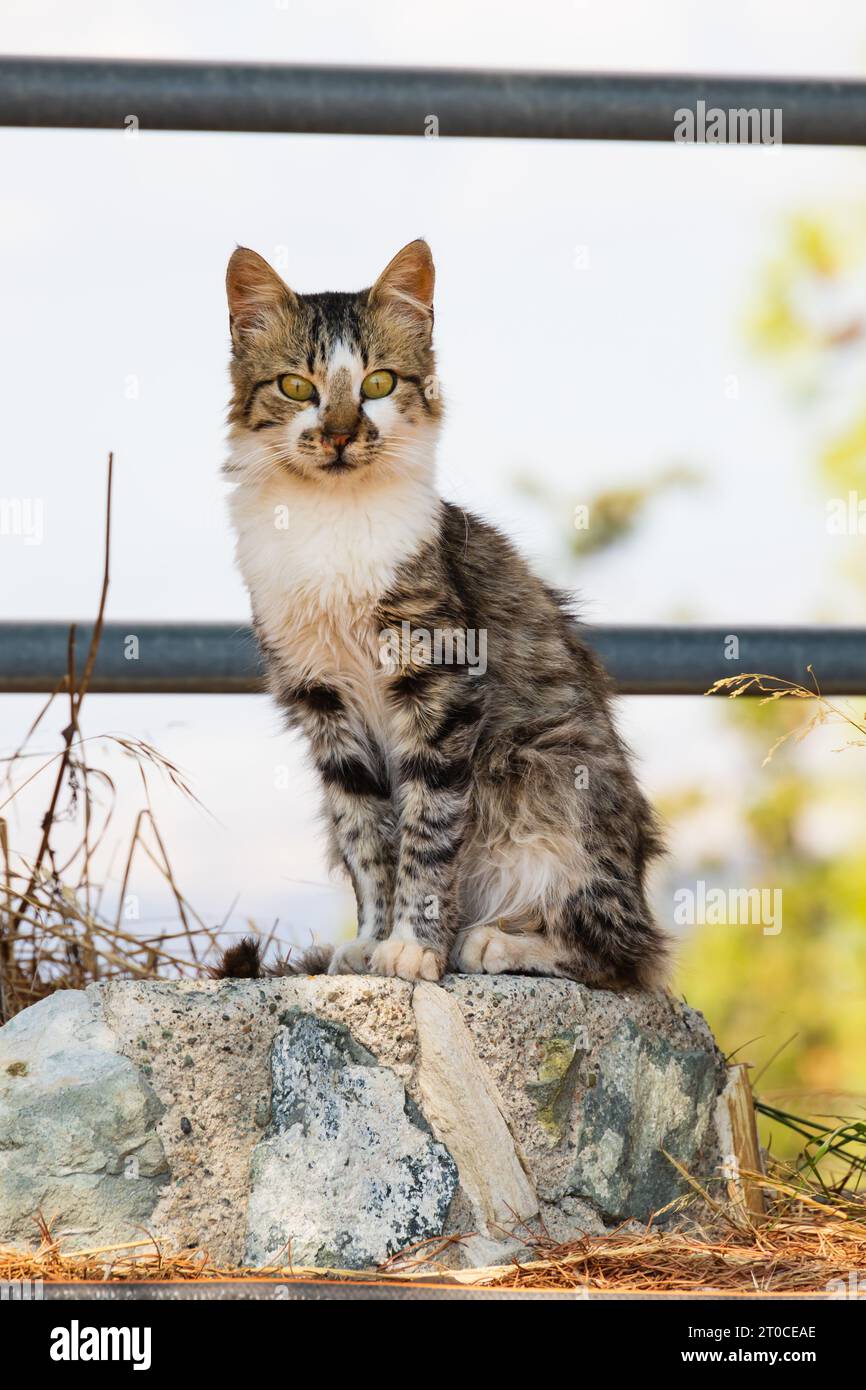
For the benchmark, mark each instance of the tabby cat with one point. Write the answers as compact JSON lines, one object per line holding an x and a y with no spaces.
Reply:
{"x":476,"y":789}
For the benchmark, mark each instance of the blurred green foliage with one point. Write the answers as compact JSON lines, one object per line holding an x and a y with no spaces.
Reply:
{"x":803,"y":991}
{"x":612,"y":514}
{"x":808,"y":983}
{"x":793,"y":1004}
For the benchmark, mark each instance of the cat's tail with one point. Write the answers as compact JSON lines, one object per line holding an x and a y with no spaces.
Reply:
{"x":245,"y":961}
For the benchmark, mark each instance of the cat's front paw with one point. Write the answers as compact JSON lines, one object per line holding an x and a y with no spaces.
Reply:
{"x":352,"y":958}
{"x":407,"y":959}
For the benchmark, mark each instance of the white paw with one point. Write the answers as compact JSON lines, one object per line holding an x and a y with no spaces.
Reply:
{"x":407,"y":959}
{"x":486,"y":951}
{"x":352,"y":958}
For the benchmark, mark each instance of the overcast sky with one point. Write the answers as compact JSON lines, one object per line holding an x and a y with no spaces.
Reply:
{"x":632,"y":264}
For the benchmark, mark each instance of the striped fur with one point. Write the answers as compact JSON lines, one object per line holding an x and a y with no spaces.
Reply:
{"x":486,"y":813}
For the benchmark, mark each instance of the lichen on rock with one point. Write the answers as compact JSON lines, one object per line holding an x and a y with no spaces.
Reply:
{"x":557,"y":1079}
{"x":650,"y":1099}
{"x":346,"y":1174}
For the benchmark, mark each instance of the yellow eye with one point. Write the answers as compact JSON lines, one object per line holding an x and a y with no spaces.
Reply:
{"x":378,"y":384}
{"x":297,"y":388}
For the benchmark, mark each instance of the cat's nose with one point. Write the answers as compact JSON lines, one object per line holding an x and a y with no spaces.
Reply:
{"x":338,"y":440}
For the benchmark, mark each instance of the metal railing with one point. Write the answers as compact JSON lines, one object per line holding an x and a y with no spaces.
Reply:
{"x":222,"y":658}
{"x":99,"y":94}
{"x":82,"y":92}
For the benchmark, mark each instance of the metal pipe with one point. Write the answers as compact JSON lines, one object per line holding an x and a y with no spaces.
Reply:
{"x":222,"y":658}
{"x":103,"y":94}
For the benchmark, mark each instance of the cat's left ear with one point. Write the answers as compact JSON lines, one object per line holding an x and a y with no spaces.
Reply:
{"x":406,"y":285}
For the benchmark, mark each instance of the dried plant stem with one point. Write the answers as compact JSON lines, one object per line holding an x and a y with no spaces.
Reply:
{"x":53,"y":933}
{"x":77,"y":693}
{"x":774,"y":688}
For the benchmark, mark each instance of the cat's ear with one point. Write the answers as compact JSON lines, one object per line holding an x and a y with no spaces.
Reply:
{"x":406,"y":284}
{"x":253,"y":287}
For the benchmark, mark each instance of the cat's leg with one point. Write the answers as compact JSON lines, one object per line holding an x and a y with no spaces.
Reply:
{"x":602,"y":935}
{"x":362,"y":835}
{"x":583,"y":853}
{"x":438,"y":712}
{"x":605,"y":936}
{"x":597,"y":915}
{"x":357,"y":794}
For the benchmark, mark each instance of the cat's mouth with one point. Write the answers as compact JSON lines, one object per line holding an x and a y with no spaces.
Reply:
{"x":338,"y":465}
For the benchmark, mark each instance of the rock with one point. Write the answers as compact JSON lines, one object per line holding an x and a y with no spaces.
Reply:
{"x":558,"y":1055}
{"x":351,"y":1115}
{"x":78,"y":1142}
{"x":465,"y":1109}
{"x":647,"y":1101}
{"x":348,"y":1172}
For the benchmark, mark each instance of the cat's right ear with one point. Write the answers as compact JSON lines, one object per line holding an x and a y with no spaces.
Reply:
{"x":252,"y":288}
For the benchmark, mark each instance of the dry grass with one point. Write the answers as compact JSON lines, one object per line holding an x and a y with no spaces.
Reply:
{"x":799,"y":1252}
{"x":801,"y":1248}
{"x":773,"y":688}
{"x":55,"y":932}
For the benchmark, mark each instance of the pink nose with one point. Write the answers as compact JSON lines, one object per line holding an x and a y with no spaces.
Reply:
{"x":338,"y":440}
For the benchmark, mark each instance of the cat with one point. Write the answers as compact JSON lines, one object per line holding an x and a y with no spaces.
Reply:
{"x":485,"y":811}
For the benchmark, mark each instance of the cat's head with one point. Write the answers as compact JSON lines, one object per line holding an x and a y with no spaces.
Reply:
{"x":333,"y":389}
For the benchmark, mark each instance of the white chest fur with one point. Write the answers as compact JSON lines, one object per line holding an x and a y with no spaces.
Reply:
{"x":317,"y":562}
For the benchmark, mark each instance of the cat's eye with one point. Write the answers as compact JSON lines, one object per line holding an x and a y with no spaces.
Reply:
{"x":297,"y":388}
{"x":378,"y":384}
